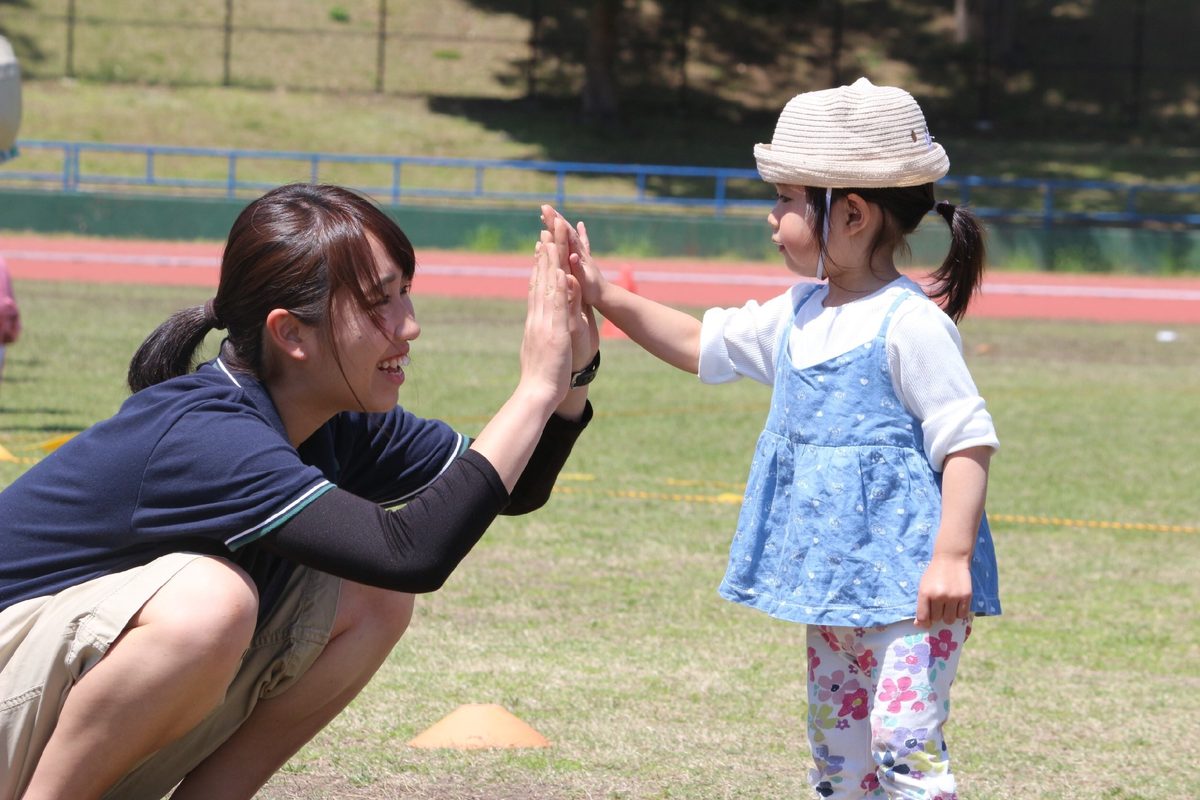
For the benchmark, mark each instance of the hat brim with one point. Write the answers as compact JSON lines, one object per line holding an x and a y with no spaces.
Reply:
{"x":930,"y":165}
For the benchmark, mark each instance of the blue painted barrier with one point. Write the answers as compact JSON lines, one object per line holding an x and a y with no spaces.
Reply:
{"x":87,"y":166}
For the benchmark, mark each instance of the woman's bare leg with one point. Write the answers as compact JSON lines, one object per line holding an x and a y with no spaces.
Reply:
{"x":368,"y":624}
{"x":159,"y":679}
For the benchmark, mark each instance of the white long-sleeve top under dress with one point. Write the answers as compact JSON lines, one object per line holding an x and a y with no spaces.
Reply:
{"x":924,"y":352}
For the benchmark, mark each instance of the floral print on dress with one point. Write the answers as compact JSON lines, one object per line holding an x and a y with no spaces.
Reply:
{"x":841,"y":504}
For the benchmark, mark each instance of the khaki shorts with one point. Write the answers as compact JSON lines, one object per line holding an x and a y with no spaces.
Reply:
{"x":48,"y":643}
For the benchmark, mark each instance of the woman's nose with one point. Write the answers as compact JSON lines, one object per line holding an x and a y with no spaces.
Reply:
{"x":408,"y":328}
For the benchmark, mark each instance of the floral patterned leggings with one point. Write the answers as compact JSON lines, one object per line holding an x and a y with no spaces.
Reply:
{"x":877,"y":701}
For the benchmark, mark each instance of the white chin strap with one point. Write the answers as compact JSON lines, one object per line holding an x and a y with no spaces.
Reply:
{"x":824,"y":237}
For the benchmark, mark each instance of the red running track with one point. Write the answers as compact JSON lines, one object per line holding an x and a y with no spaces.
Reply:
{"x":1098,"y":298}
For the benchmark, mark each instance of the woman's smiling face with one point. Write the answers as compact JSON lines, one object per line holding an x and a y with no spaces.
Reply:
{"x":373,"y":348}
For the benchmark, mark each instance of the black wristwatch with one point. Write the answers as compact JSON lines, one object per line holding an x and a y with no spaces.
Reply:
{"x":587,"y":374}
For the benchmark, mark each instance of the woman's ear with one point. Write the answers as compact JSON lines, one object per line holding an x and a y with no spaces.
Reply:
{"x":287,"y":335}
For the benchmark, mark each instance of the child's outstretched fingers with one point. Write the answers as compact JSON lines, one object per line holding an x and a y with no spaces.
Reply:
{"x":579,"y":260}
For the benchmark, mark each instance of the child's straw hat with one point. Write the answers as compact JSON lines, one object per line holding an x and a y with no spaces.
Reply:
{"x":860,"y":136}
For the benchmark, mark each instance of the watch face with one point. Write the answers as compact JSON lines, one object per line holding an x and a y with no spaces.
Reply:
{"x":587,"y":374}
{"x":582,"y":378}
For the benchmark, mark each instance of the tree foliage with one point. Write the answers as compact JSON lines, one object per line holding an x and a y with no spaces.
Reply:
{"x":1114,"y":63}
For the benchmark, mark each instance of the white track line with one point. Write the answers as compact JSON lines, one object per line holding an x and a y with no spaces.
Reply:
{"x":643,"y":276}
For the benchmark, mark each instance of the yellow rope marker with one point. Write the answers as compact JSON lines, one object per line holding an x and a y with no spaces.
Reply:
{"x":7,"y":456}
{"x":50,"y":445}
{"x":731,"y":498}
{"x":1025,"y":519}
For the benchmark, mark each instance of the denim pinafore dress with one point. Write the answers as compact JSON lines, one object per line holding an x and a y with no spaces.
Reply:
{"x":842,"y":506}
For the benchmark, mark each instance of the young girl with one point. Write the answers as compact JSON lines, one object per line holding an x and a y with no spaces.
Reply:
{"x":863,"y":512}
{"x":192,"y":589}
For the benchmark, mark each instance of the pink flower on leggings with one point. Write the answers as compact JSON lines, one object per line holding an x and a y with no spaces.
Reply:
{"x":942,"y":645}
{"x":830,"y":639}
{"x":814,"y":661}
{"x":854,"y":704}
{"x":833,"y":686}
{"x":896,"y":693}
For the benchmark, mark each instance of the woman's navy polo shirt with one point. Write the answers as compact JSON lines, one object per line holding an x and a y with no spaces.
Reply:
{"x":199,"y":463}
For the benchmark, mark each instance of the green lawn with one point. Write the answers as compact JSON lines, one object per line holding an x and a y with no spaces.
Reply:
{"x":597,"y":622}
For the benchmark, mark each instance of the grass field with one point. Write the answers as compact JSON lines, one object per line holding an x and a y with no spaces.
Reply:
{"x":596,"y":620}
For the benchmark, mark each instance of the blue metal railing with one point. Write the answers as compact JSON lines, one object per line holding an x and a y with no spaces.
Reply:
{"x":85,"y":166}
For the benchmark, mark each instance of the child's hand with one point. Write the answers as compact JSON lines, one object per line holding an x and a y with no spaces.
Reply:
{"x":574,"y":242}
{"x":945,"y":591}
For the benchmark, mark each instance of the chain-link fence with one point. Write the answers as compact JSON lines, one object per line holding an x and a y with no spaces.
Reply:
{"x":1029,"y":65}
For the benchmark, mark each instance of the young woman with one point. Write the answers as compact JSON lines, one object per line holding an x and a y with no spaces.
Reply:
{"x":193,"y":588}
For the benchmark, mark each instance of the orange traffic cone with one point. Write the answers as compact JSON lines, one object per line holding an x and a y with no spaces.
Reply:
{"x":475,"y":726}
{"x":625,"y":281}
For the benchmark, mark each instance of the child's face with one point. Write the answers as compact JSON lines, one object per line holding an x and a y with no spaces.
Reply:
{"x":792,"y":229}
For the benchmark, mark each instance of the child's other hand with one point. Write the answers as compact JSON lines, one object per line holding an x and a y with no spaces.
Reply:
{"x":574,"y":242}
{"x":945,"y":591}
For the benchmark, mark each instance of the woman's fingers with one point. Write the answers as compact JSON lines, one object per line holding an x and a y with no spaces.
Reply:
{"x":550,"y":303}
{"x":549,"y":215}
{"x":567,"y":238}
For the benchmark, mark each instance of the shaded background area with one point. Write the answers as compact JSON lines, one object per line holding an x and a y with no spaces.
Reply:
{"x":1099,"y":94}
{"x":1093,"y":69}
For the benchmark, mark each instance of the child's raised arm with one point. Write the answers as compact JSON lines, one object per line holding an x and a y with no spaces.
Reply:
{"x":662,"y":331}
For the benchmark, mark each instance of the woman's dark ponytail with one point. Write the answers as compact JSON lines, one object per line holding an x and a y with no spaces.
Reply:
{"x":170,"y":350}
{"x":956,"y":281}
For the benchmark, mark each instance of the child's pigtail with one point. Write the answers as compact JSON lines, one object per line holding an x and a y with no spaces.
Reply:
{"x":956,"y":281}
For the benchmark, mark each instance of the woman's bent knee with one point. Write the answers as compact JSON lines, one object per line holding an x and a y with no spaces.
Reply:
{"x":209,"y":607}
{"x":381,"y":613}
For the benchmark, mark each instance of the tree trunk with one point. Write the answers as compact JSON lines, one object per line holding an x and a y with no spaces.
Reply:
{"x":599,"y":83}
{"x":962,"y":22}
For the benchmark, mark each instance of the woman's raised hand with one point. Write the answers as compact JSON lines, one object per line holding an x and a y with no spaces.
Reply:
{"x":585,"y":332}
{"x":509,"y":439}
{"x":546,"y":349}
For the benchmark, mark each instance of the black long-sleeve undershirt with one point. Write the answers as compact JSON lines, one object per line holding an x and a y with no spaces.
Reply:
{"x":415,"y":548}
